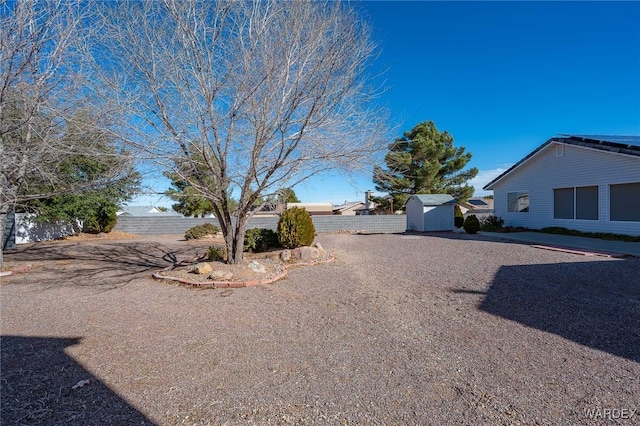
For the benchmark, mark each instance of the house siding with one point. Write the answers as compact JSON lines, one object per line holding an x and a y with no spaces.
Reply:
{"x":573,"y":166}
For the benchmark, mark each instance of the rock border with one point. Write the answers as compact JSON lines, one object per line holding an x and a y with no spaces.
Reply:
{"x":238,"y":284}
{"x":18,"y":270}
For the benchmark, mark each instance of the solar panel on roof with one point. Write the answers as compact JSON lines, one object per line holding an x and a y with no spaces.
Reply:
{"x":618,"y":139}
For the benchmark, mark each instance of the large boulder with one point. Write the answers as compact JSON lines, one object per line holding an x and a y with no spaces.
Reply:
{"x":305,"y":254}
{"x":256,"y":267}
{"x":221,"y":275}
{"x":285,"y":255}
{"x":201,"y":268}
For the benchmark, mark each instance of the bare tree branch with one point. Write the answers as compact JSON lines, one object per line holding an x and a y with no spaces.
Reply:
{"x":254,"y":96}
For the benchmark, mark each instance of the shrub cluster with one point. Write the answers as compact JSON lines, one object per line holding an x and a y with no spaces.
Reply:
{"x":295,"y":228}
{"x":103,"y":221}
{"x":600,"y":235}
{"x":471,"y":224}
{"x":200,"y":231}
{"x":492,"y":224}
{"x":258,"y":240}
{"x":217,"y":254}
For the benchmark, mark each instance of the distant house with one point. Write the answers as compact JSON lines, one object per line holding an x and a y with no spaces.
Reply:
{"x":430,"y":212}
{"x":314,"y":209}
{"x":353,"y":208}
{"x":480,"y":207}
{"x":146,"y":211}
{"x":583,"y":182}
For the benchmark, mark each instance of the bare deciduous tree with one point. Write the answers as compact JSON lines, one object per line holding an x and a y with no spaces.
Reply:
{"x":252,"y":96}
{"x":41,"y":89}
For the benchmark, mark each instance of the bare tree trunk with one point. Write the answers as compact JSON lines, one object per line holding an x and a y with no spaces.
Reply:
{"x":3,"y":225}
{"x":234,"y":237}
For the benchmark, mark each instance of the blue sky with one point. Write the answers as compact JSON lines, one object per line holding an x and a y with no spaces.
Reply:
{"x":501,"y":77}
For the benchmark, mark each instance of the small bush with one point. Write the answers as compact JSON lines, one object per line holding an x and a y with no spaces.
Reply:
{"x":217,"y":254}
{"x":471,"y":224}
{"x":458,"y":217}
{"x":258,"y":240}
{"x":492,"y":224}
{"x":295,"y":228}
{"x":200,"y":231}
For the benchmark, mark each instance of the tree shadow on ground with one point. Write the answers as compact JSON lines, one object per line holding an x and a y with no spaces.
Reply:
{"x":104,"y":265}
{"x":596,"y":304}
{"x":37,"y":379}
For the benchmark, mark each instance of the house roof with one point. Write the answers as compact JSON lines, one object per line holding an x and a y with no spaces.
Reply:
{"x":626,"y":145}
{"x":347,"y":205}
{"x":145,"y":211}
{"x":434,"y":199}
{"x":478,"y":202}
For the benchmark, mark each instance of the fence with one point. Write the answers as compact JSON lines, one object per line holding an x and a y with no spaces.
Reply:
{"x":163,"y":225}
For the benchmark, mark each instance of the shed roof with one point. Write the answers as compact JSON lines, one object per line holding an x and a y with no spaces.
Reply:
{"x":434,"y":199}
{"x":626,"y":145}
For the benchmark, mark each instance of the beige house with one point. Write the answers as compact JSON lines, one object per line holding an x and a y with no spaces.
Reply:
{"x":353,"y":208}
{"x":314,"y":209}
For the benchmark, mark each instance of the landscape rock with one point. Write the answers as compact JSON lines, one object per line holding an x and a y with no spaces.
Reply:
{"x":285,"y":255}
{"x":201,"y":268}
{"x":256,"y":267}
{"x":319,"y":247}
{"x":305,"y":254}
{"x":221,"y":275}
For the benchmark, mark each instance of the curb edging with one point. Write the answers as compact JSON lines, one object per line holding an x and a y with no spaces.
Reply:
{"x":236,"y":284}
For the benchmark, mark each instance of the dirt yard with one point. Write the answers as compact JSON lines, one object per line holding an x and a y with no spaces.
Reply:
{"x":399,"y":329}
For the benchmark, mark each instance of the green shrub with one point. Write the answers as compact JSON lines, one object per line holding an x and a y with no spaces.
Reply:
{"x":103,"y":221}
{"x":458,"y":217}
{"x":492,"y":224}
{"x":601,"y":235}
{"x":200,"y":231}
{"x":258,"y":240}
{"x":217,"y":254}
{"x":471,"y":224}
{"x":295,"y":228}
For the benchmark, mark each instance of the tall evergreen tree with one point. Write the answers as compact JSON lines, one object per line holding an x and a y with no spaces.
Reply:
{"x":425,"y":161}
{"x":89,"y":184}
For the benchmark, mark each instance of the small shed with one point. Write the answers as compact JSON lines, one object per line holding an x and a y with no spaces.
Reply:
{"x":430,"y":212}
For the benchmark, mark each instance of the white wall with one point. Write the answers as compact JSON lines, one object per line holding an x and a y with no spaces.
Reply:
{"x":429,"y":218}
{"x":27,"y":231}
{"x":439,"y":218}
{"x":415,"y":221}
{"x":577,"y":166}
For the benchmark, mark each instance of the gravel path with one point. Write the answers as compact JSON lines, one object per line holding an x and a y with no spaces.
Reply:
{"x":400,"y":329}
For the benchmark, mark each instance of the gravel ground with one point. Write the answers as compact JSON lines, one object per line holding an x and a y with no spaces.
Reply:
{"x":400,"y":329}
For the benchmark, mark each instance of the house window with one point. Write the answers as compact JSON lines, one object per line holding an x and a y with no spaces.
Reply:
{"x":587,"y":203}
{"x":518,"y":202}
{"x":576,"y":203}
{"x":624,"y":202}
{"x":563,"y":203}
